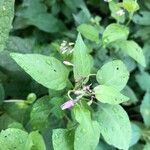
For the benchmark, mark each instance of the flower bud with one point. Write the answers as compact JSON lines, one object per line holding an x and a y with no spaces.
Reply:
{"x":67,"y":105}
{"x":67,"y":63}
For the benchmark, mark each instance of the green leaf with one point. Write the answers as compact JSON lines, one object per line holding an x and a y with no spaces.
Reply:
{"x":143,"y":79}
{"x":130,"y":5}
{"x":143,"y":33}
{"x":87,"y":133}
{"x":56,"y":109}
{"x":89,"y":32}
{"x":16,"y":125}
{"x":87,"y":137}
{"x":114,"y":74}
{"x":47,"y":22}
{"x":83,"y":16}
{"x":133,"y":50}
{"x":62,"y":139}
{"x":128,"y":61}
{"x":147,"y":146}
{"x":138,"y":146}
{"x":40,"y":112}
{"x":7,"y":122}
{"x":74,"y":4}
{"x":104,"y":146}
{"x":47,"y":71}
{"x":142,"y":18}
{"x":22,"y":45}
{"x":6,"y":17}
{"x":146,"y":51}
{"x":11,"y":139}
{"x":145,"y":109}
{"x":35,"y":13}
{"x":13,"y":109}
{"x":127,"y":91}
{"x":35,"y":142}
{"x":110,"y":95}
{"x":82,"y":61}
{"x":136,"y":134}
{"x":114,"y":125}
{"x":147,"y":4}
{"x":114,"y":32}
{"x":82,"y":114}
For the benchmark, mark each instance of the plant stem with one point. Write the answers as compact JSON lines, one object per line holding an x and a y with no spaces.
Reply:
{"x":13,"y":101}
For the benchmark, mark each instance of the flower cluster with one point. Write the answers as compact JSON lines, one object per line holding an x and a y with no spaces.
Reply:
{"x":66,"y":47}
{"x":85,"y":91}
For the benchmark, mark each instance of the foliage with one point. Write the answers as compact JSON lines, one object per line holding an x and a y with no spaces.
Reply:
{"x":74,"y":75}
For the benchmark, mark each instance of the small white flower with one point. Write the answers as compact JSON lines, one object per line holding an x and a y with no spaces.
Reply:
{"x":90,"y":102}
{"x":107,"y":1}
{"x":64,"y":43}
{"x":71,"y":51}
{"x":63,"y":50}
{"x":87,"y":88}
{"x":67,"y":63}
{"x":120,"y":12}
{"x":79,"y":92}
{"x":66,"y":47}
{"x":71,"y":43}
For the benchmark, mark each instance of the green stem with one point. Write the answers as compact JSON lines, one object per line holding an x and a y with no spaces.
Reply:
{"x":13,"y":101}
{"x":130,"y":18}
{"x":69,"y":92}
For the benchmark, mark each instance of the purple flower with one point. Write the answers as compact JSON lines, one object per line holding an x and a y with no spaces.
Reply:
{"x":67,"y":104}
